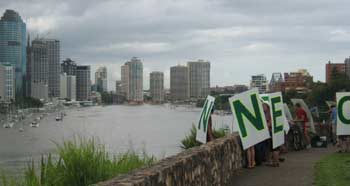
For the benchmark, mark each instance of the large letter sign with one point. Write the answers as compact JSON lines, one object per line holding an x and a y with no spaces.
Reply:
{"x":278,"y":119}
{"x":343,"y":119}
{"x":248,"y":114}
{"x":202,"y":126}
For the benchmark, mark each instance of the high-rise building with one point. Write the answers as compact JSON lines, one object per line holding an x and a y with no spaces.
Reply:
{"x":7,"y":82}
{"x":199,"y":78}
{"x":83,"y":83}
{"x":119,"y":87}
{"x":157,"y":86}
{"x":259,"y":81}
{"x":43,"y":64}
{"x":53,"y":57}
{"x":38,"y":66}
{"x":69,"y":67}
{"x":101,"y":79}
{"x":347,"y":67}
{"x":68,"y":87}
{"x":331,"y":68}
{"x":132,"y":80}
{"x":13,"y":46}
{"x":179,"y":83}
{"x":40,"y":90}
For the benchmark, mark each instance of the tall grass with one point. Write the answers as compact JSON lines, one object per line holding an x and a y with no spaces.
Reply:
{"x":79,"y":163}
{"x":190,"y":140}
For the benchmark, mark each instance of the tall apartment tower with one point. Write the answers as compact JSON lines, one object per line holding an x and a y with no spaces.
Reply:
{"x":44,"y":65}
{"x":69,"y":67}
{"x":7,"y":82}
{"x":101,"y":79}
{"x":179,"y":83}
{"x":83,"y":83}
{"x":157,"y":86}
{"x":53,"y":57}
{"x":347,"y":67}
{"x":260,"y":82}
{"x":37,"y":69}
{"x":68,"y":87}
{"x":13,"y":46}
{"x":199,"y":78}
{"x":132,"y":80}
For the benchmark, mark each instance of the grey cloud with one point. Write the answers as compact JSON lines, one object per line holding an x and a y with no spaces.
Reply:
{"x":239,"y":37}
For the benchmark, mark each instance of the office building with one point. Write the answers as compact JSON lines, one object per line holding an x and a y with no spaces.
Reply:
{"x":7,"y":82}
{"x":199,"y":78}
{"x":157,"y":87}
{"x":68,"y":87}
{"x":101,"y":79}
{"x":83,"y":83}
{"x":69,"y":67}
{"x":43,"y":64}
{"x":259,"y":81}
{"x":132,"y":80}
{"x":299,"y":81}
{"x":40,"y":90}
{"x":332,"y":68}
{"x":13,"y":46}
{"x":179,"y":83}
{"x":119,"y":87}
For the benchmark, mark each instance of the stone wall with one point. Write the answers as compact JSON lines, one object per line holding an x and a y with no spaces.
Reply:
{"x":211,"y":164}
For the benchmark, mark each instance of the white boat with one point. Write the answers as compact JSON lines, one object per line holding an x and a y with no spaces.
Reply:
{"x":8,"y":125}
{"x":58,"y":118}
{"x":21,"y":129}
{"x":34,"y":124}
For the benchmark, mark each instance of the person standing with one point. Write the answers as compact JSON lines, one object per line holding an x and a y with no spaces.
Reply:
{"x":333,"y":113}
{"x":301,"y":116}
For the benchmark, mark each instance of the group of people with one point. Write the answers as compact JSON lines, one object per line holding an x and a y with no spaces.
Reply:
{"x":264,"y":152}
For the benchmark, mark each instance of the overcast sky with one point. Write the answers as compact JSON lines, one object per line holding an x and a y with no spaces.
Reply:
{"x":239,"y":37}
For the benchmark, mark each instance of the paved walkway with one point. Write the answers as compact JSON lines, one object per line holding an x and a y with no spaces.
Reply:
{"x":297,"y":170}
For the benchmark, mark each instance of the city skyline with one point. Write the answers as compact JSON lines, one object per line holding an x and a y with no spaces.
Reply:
{"x":232,"y":36}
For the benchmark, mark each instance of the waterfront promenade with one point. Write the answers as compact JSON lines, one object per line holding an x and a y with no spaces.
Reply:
{"x":298,"y":169}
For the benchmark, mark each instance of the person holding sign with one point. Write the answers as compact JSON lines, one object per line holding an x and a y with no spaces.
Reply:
{"x":301,"y":116}
{"x":273,"y":153}
{"x":210,"y":136}
{"x":343,"y":120}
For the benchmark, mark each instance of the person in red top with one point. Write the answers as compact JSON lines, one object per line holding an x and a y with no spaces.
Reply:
{"x":301,"y":116}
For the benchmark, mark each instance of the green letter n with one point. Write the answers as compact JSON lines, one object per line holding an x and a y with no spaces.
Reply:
{"x":254,"y":118}
{"x":341,"y":110}
{"x":203,"y":120}
{"x":275,"y":114}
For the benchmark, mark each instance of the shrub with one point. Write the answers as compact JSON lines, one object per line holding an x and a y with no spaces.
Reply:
{"x":79,"y":163}
{"x":190,"y":140}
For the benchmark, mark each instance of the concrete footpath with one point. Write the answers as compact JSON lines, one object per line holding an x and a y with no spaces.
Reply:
{"x":297,"y":170}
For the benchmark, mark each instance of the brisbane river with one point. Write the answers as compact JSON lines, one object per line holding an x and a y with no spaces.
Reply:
{"x":156,"y":129}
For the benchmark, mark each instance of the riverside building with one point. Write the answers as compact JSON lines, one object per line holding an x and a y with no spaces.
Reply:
{"x":132,"y":80}
{"x":13,"y":46}
{"x":157,"y":87}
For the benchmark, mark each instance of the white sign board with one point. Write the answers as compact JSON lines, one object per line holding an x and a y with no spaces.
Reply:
{"x":278,"y":119}
{"x":343,"y":113}
{"x":308,"y":113}
{"x":289,"y":117}
{"x":249,"y":116}
{"x":202,"y":126}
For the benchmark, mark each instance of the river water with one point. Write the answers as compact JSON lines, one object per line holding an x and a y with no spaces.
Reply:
{"x":157,"y":129}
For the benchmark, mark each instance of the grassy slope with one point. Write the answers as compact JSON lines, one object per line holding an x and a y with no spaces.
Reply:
{"x":333,"y":170}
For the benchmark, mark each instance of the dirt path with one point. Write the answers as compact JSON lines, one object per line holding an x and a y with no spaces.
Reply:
{"x":297,"y":170}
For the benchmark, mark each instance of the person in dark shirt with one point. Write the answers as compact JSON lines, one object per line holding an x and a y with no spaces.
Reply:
{"x":210,"y":136}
